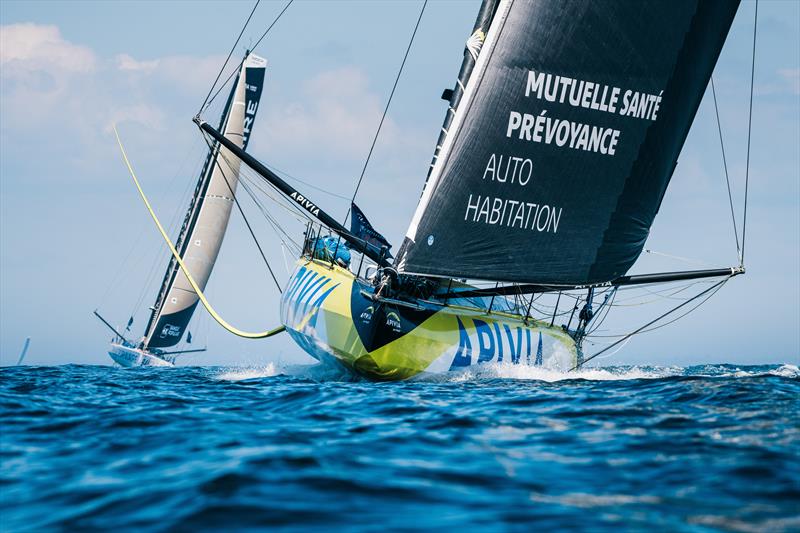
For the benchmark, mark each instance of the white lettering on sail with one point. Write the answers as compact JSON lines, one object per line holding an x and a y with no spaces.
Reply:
{"x":591,"y":95}
{"x":562,"y":133}
{"x":508,"y":169}
{"x":512,"y":213}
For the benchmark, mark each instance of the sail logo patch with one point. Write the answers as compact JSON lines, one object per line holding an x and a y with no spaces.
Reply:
{"x":170,"y":331}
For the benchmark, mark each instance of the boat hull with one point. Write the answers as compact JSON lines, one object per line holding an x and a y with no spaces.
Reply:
{"x":336,"y":319}
{"x":129,"y":357}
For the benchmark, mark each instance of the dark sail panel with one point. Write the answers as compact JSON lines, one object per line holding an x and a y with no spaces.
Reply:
{"x":570,"y":129}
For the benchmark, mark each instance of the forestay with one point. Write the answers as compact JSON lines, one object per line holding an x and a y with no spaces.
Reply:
{"x":564,"y":143}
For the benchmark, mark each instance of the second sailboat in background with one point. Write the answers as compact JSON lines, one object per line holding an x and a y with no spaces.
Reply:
{"x":202,"y":232}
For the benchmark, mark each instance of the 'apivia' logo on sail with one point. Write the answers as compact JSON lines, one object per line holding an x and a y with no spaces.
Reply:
{"x":305,"y":203}
{"x":170,"y":331}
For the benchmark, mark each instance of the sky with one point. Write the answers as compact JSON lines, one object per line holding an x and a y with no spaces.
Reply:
{"x":75,"y":237}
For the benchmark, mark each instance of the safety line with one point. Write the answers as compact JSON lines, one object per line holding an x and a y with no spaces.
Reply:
{"x":176,"y":255}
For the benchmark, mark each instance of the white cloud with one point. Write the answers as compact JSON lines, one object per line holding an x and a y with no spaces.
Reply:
{"x":32,"y":47}
{"x":335,"y":111}
{"x":66,"y":96}
{"x":126,"y":62}
{"x":792,"y":78}
{"x":149,"y":116}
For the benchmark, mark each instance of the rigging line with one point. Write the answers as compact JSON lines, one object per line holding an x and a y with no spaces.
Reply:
{"x":118,"y":271}
{"x":307,"y":184}
{"x":221,"y":70}
{"x":617,"y":350}
{"x":602,"y":319}
{"x":202,"y":109}
{"x":246,"y":175}
{"x":184,"y":268}
{"x":665,"y":324}
{"x":386,"y":109}
{"x":642,"y":328}
{"x":174,"y":226}
{"x":686,"y":259}
{"x":244,"y":217}
{"x":282,"y":235}
{"x":725,"y":164}
{"x":749,"y":129}
{"x":292,"y":208}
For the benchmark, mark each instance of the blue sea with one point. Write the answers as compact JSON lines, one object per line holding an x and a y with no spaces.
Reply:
{"x":705,"y":448}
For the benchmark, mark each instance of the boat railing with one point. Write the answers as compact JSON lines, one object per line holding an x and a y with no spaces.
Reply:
{"x":315,"y":231}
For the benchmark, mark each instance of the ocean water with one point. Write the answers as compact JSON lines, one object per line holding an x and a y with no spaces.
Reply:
{"x":707,"y":448}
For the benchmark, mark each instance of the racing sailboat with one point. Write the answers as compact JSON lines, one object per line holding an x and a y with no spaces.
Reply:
{"x":202,"y":231}
{"x":561,"y":136}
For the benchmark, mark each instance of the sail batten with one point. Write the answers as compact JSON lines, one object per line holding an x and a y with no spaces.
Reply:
{"x":567,"y":135}
{"x":208,"y":215}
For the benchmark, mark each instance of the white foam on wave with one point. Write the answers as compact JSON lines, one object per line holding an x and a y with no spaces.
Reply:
{"x":541,"y":373}
{"x":786,"y":371}
{"x":491,"y":371}
{"x":241,"y":374}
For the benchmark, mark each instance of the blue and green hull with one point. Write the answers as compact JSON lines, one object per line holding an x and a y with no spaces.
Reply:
{"x":335,"y":318}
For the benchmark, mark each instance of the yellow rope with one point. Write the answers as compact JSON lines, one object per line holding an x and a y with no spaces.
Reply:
{"x":185,"y":270}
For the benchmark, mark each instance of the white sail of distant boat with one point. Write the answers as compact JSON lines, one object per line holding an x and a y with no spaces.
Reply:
{"x":24,"y":350}
{"x":202,"y":232}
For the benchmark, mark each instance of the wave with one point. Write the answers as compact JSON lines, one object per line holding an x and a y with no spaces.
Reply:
{"x":241,"y":374}
{"x":506,"y":371}
{"x":616,"y":373}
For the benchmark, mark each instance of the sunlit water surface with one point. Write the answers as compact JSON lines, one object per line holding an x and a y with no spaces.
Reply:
{"x":504,"y":448}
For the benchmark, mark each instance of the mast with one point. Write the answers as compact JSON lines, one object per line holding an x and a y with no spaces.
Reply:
{"x":471,"y":51}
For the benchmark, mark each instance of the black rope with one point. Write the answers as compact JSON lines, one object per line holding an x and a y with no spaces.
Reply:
{"x":205,"y":106}
{"x":241,"y":211}
{"x":725,"y":164}
{"x":749,"y":127}
{"x":386,"y":109}
{"x":202,"y":107}
{"x":639,"y":330}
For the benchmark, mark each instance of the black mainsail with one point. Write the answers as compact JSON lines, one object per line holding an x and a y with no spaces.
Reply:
{"x":207,"y":218}
{"x":565,"y":140}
